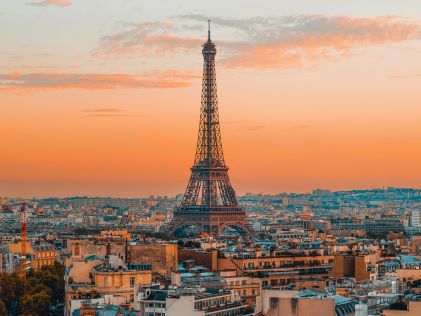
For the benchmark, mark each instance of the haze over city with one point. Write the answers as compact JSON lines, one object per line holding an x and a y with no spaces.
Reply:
{"x":102,"y":97}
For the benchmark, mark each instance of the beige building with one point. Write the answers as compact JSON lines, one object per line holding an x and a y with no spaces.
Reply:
{"x":110,"y":265}
{"x":41,"y":254}
{"x":416,"y":245}
{"x":293,"y":303}
{"x":163,"y":258}
{"x":409,"y":275}
{"x":111,"y":277}
{"x":246,"y":287}
{"x":279,"y":271}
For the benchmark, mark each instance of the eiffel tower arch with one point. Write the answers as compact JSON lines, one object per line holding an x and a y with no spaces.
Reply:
{"x":209,"y":202}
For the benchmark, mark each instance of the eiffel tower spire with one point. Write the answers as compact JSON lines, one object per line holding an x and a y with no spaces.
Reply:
{"x":209,"y":200}
{"x":209,"y":38}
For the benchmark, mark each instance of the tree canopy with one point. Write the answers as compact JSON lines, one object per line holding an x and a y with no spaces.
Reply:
{"x":35,"y":295}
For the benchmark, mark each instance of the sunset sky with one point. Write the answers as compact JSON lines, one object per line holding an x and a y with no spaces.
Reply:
{"x":102,"y":97}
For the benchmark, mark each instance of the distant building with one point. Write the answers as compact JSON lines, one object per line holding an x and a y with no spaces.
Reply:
{"x":321,"y":192}
{"x":105,"y":201}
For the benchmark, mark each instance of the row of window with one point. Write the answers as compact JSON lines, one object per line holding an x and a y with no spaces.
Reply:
{"x":45,"y":254}
{"x":285,"y":264}
{"x":156,"y":305}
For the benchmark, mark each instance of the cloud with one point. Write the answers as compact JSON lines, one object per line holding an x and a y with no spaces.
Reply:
{"x":146,"y":39}
{"x":103,"y":110}
{"x":106,"y":112}
{"x":405,"y":76}
{"x":261,"y":42}
{"x":19,"y":82}
{"x":110,"y":115}
{"x":173,"y":74}
{"x":292,"y":41}
{"x":61,"y":3}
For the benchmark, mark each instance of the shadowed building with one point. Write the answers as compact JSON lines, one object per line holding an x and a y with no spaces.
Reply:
{"x":359,"y":266}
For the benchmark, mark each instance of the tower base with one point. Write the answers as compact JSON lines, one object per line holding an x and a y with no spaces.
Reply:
{"x":209,"y":221}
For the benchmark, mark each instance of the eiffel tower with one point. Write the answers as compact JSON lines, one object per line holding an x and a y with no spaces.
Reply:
{"x":209,"y":203}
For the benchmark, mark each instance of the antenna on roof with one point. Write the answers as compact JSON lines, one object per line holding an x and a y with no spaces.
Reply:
{"x":209,"y":38}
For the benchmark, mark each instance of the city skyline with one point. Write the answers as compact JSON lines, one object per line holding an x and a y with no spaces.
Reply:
{"x":309,"y":98}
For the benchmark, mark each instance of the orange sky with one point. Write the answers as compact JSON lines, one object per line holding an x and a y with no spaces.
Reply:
{"x":308,"y":99}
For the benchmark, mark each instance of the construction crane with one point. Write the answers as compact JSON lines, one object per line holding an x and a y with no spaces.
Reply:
{"x":23,"y":222}
{"x":23,"y":210}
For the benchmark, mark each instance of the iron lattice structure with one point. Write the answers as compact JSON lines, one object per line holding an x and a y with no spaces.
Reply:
{"x":209,"y":201}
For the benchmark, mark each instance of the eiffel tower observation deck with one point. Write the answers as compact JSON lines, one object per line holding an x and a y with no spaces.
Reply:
{"x":209,"y":203}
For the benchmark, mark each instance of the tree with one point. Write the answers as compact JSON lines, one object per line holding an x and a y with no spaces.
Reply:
{"x":52,"y":278}
{"x":34,"y":295}
{"x":3,"y":309}
{"x":12,"y":287}
{"x":35,"y":304}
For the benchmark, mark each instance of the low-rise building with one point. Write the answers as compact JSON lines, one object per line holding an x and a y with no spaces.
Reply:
{"x":191,"y":301}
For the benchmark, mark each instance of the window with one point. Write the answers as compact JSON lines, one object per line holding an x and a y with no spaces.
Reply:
{"x":274,"y":302}
{"x":131,"y":281}
{"x":76,"y":250}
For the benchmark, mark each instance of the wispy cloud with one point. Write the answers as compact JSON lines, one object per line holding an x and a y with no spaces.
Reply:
{"x":261,"y":42}
{"x":107,"y":112}
{"x":110,"y":115}
{"x":103,"y":110}
{"x":19,"y":82}
{"x":405,"y":76}
{"x":291,"y":41}
{"x":145,"y":38}
{"x":61,"y":3}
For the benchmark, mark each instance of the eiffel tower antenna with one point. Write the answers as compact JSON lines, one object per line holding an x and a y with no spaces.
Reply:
{"x":210,"y":201}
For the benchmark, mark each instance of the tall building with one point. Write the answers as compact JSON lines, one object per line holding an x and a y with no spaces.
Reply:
{"x":209,"y":203}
